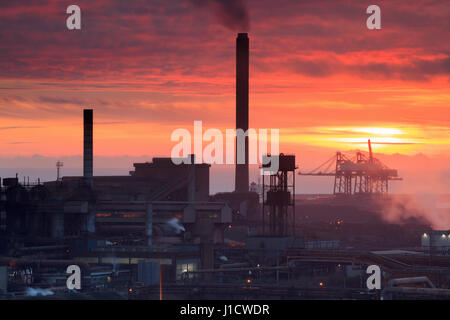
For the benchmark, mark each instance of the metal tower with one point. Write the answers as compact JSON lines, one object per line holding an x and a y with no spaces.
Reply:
{"x":278,"y":196}
{"x":59,"y":165}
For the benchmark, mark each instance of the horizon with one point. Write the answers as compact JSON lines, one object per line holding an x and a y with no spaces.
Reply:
{"x":324,"y":80}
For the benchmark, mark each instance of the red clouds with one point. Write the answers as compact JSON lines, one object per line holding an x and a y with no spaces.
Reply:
{"x":312,"y":64}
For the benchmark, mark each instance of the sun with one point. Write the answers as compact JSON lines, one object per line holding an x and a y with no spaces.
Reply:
{"x":379,"y":131}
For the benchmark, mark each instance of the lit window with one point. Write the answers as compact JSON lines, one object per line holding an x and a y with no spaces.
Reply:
{"x":183,"y":268}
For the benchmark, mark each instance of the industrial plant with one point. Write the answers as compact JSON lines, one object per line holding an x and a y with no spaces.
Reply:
{"x":159,"y":233}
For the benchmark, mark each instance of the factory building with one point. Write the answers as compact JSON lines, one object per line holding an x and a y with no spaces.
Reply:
{"x":436,"y":240}
{"x":157,"y":232}
{"x":159,"y":213}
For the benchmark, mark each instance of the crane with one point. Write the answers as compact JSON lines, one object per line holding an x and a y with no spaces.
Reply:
{"x":356,"y":175}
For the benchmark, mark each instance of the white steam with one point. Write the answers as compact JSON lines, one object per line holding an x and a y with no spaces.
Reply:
{"x":33,"y":292}
{"x":175,"y":224}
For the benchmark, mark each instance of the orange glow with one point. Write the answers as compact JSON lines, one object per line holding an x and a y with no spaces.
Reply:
{"x":132,"y":215}
{"x":103,"y":215}
{"x":328,"y":88}
{"x":403,"y":139}
{"x":379,"y":131}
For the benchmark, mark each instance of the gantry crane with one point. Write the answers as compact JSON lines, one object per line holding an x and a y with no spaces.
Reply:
{"x":360,"y":175}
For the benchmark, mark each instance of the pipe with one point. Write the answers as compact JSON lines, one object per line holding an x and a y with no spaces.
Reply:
{"x":426,"y":291}
{"x":412,"y":280}
{"x":44,"y":263}
{"x":44,"y":248}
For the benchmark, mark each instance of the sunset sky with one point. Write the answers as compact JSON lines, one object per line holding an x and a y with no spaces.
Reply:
{"x":148,"y":67}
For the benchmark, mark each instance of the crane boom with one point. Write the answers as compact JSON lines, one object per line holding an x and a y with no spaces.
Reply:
{"x":365,"y":175}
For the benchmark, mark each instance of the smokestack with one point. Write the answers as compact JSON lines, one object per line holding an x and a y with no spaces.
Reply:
{"x":88,"y":146}
{"x":242,"y":73}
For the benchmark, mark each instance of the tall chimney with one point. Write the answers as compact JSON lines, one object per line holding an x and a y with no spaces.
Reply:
{"x":242,"y":73}
{"x":88,"y":146}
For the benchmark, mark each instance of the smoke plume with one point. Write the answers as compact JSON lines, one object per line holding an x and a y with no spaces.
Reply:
{"x":434,"y":209}
{"x":175,"y":224}
{"x":232,"y":14}
{"x":33,"y":292}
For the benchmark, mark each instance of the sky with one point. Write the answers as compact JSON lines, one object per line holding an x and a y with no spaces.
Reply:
{"x":149,"y":67}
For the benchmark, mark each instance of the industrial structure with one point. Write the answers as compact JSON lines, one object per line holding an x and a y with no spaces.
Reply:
{"x":158,"y":233}
{"x":242,"y":113}
{"x":279,"y":196}
{"x":436,"y":241}
{"x":358,"y":176}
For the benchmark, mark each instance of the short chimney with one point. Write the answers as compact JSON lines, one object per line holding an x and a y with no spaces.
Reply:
{"x":88,"y":146}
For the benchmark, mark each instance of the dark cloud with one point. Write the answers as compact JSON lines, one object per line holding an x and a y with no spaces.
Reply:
{"x":167,"y":47}
{"x":409,"y":70}
{"x":135,"y":40}
{"x":56,"y":100}
{"x":413,"y":70}
{"x":312,"y":68}
{"x":232,"y":14}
